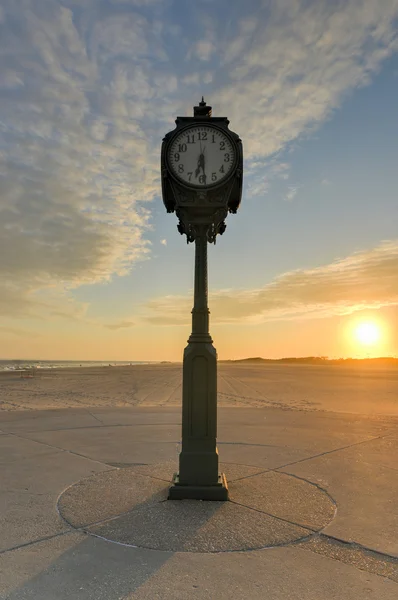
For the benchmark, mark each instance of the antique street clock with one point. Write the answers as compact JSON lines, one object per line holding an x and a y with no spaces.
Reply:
{"x":202,"y":171}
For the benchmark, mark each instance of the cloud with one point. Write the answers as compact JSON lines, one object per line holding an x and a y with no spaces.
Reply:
{"x":292,"y":191}
{"x":119,"y":325}
{"x":297,"y":62}
{"x":204,"y":49}
{"x":260,"y":173}
{"x":367,"y":279}
{"x":77,"y":166}
{"x":89,"y":89}
{"x":19,"y":332}
{"x":163,"y":242}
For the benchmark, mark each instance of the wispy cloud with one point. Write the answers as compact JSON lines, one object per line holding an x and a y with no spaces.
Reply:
{"x":261,"y":172}
{"x":89,"y":88}
{"x":292,"y":62}
{"x":119,"y":325}
{"x":204,"y":49}
{"x":77,"y":166}
{"x":19,"y":332}
{"x":292,"y":191}
{"x":367,"y":279}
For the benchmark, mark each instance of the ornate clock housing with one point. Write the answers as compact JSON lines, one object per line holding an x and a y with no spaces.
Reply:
{"x":202,"y":156}
{"x":202,"y":172}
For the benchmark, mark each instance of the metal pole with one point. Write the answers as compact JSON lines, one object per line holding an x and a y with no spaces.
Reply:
{"x":200,"y":311}
{"x":198,"y":476}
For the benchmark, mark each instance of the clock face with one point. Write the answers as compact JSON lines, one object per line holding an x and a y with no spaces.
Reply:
{"x":201,"y":156}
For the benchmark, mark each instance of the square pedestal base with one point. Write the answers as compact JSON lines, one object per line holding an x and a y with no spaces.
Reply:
{"x":218,"y":491}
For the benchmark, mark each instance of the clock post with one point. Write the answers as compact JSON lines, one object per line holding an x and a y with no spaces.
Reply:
{"x":202,"y":171}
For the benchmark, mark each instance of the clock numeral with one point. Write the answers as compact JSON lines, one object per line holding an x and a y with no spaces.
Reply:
{"x":181,"y":168}
{"x":213,"y":139}
{"x":214,"y":176}
{"x":221,"y":169}
{"x":190,"y":173}
{"x":202,"y":178}
{"x":176,"y":157}
{"x":191,"y":139}
{"x":202,"y":136}
{"x":226,"y":157}
{"x":182,"y":147}
{"x":222,"y":145}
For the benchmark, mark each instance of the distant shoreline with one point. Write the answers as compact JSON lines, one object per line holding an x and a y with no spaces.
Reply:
{"x":14,"y":365}
{"x":317,"y":360}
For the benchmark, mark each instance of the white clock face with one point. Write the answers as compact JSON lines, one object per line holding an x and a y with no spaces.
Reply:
{"x":201,"y":156}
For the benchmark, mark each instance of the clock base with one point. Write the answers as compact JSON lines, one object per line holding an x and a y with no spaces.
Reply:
{"x":217,"y":492}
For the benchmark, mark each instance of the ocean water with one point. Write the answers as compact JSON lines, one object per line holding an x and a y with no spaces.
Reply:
{"x":20,"y":365}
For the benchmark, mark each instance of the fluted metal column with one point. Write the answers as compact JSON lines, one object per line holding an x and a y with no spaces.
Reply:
{"x":198,"y":475}
{"x":200,"y":311}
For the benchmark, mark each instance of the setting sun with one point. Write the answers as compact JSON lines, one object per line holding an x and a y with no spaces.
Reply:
{"x":367,"y":333}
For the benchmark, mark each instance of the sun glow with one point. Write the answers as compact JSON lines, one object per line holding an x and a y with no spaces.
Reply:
{"x":367,"y":334}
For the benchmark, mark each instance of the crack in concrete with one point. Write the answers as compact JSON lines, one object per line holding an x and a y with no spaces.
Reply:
{"x":359,"y":546}
{"x":94,"y":417}
{"x":330,"y":452}
{"x":322,"y":489}
{"x":37,"y":541}
{"x":308,"y":457}
{"x":263,"y":512}
{"x":352,"y":553}
{"x":250,"y":444}
{"x":103,"y":426}
{"x":248,"y":476}
{"x":60,"y":449}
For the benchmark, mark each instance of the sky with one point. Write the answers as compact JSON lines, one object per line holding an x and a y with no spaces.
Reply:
{"x":91,"y":265}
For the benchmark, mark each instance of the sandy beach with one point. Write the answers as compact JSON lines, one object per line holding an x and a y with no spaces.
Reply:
{"x":355,"y":390}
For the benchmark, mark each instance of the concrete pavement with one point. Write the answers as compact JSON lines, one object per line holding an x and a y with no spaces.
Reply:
{"x":313,"y":512}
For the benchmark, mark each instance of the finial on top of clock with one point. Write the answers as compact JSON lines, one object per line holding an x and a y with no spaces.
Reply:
{"x":202,"y":110}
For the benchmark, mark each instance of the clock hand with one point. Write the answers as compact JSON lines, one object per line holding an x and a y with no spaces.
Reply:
{"x":199,"y":160}
{"x":203,"y":166}
{"x":200,"y":164}
{"x":197,"y":171}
